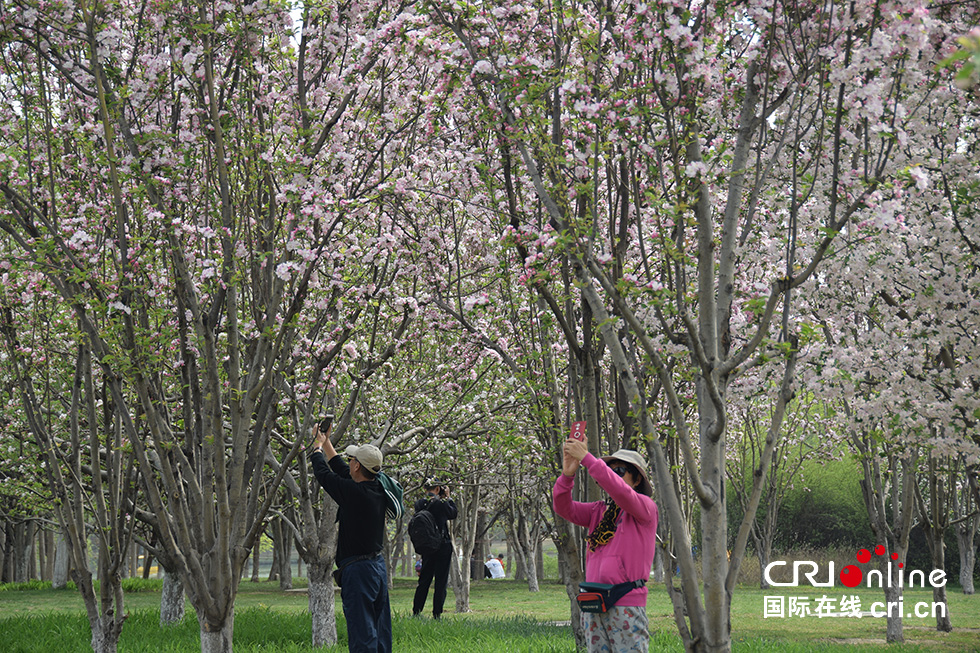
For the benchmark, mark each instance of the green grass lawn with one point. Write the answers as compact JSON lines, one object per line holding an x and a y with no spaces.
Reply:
{"x":504,"y":617}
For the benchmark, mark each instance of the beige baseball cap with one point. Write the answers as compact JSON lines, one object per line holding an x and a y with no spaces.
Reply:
{"x":368,"y":455}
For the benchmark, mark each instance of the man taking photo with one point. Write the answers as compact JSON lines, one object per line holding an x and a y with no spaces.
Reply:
{"x":435,"y":564}
{"x":361,"y":502}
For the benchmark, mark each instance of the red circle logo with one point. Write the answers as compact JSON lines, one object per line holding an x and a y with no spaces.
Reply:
{"x":851,"y":576}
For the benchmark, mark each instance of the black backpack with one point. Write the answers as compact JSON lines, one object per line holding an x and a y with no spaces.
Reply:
{"x":423,"y":532}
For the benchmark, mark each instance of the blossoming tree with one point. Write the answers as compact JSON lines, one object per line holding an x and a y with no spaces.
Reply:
{"x":181,"y":176}
{"x":697,"y":163}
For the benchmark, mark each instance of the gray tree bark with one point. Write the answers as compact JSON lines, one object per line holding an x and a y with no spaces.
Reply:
{"x":889,"y":496}
{"x":965,"y":539}
{"x":464,"y":531}
{"x":322,"y":604}
{"x":966,"y":522}
{"x":217,"y":638}
{"x":59,"y":579}
{"x":4,"y":526}
{"x":256,"y":554}
{"x":934,"y":518}
{"x":172,"y":598}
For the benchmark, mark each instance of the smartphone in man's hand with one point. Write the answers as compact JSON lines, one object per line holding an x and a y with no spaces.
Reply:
{"x":578,"y":431}
{"x":325,"y":423}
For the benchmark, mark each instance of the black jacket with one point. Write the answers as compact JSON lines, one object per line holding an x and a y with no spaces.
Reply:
{"x":361,"y":507}
{"x":442,"y":509}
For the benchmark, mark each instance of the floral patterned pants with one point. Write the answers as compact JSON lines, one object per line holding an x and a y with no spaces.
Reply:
{"x":622,"y":628}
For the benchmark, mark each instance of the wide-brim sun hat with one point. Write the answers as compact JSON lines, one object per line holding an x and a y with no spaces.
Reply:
{"x":368,"y":455}
{"x":637,"y":461}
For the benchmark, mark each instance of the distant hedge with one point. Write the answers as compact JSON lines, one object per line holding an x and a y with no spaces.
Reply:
{"x":826,"y":508}
{"x":826,"y":511}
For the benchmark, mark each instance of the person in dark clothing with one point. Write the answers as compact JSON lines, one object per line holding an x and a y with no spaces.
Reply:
{"x":361,"y":504}
{"x":435,"y":564}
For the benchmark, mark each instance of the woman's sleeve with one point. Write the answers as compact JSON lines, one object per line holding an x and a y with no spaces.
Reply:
{"x":640,"y":506}
{"x":573,"y":511}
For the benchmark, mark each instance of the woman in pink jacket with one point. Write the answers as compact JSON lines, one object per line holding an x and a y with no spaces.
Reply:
{"x":621,"y":540}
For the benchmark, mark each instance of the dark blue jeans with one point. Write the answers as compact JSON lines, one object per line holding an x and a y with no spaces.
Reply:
{"x":435,"y":565}
{"x":364,"y":593}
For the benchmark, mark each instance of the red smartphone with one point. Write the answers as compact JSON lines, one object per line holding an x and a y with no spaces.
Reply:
{"x":578,"y":431}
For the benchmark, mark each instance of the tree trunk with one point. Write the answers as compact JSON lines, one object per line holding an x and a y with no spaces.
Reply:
{"x":285,"y":546}
{"x":148,"y":564}
{"x":4,"y":525}
{"x":523,"y":547}
{"x":538,"y":555}
{"x":481,"y":548}
{"x":20,"y":551}
{"x":134,"y":566}
{"x":105,"y":617}
{"x":934,"y":516}
{"x":531,"y":568}
{"x":763,"y":549}
{"x":894,"y":632}
{"x":966,"y":521}
{"x":526,"y":549}
{"x":392,"y":549}
{"x":460,"y":580}
{"x":32,"y":550}
{"x":714,"y":528}
{"x":104,"y":639}
{"x":322,"y":607}
{"x":255,"y":559}
{"x":714,"y":561}
{"x":171,"y":598}
{"x":570,"y":573}
{"x":938,"y":548}
{"x":395,"y":552}
{"x":464,"y":527}
{"x":943,"y":622}
{"x":46,"y":540}
{"x":62,"y":564}
{"x":275,"y":534}
{"x":894,"y":497}
{"x":217,"y":638}
{"x":965,"y":535}
{"x":658,"y":565}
